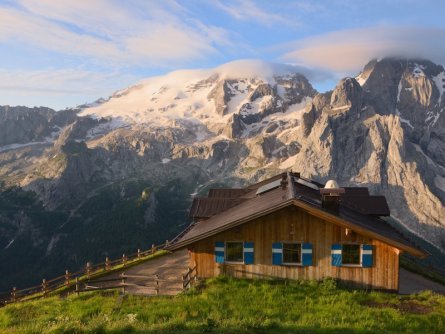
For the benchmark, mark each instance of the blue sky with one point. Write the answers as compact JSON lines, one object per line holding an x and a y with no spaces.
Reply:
{"x":61,"y":53}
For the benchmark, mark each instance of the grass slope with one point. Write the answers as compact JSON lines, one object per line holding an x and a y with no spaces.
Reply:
{"x":225,"y":305}
{"x":118,"y":219}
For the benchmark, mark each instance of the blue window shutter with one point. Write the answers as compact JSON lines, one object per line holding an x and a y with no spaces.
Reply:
{"x":219,"y":251}
{"x":306,"y":254}
{"x":248,"y":252}
{"x":277,"y":253}
{"x":336,"y":255}
{"x":366,"y":256}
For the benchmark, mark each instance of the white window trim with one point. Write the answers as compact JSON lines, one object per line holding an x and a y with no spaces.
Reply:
{"x":225,"y":252}
{"x":352,"y":265}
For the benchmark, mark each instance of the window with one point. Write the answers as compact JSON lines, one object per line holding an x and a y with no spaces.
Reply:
{"x":234,"y":252}
{"x":268,"y":187}
{"x":350,"y":254}
{"x":291,"y":253}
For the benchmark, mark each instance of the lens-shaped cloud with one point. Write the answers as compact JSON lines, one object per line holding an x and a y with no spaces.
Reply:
{"x":346,"y":51}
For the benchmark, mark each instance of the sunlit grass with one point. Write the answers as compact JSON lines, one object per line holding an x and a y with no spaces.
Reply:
{"x":225,"y":305}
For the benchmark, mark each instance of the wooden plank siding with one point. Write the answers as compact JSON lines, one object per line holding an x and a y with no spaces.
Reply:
{"x":294,"y":224}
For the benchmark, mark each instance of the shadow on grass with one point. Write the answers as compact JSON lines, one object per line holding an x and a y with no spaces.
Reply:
{"x":227,"y":330}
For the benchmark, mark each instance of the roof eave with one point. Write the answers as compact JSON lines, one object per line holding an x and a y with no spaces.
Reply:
{"x":235,"y":223}
{"x":339,"y":221}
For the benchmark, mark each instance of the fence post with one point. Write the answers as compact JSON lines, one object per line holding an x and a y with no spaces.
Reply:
{"x":13,"y":294}
{"x":166,"y":243}
{"x":195,"y":268}
{"x":183,"y":281}
{"x":139,"y":253}
{"x":123,"y":260}
{"x":123,"y":283}
{"x":189,"y":274}
{"x":44,"y":287}
{"x":107,"y":264}
{"x":153,"y":248}
{"x":157,"y":284}
{"x":88,"y":269}
{"x":77,"y":285}
{"x":67,"y":277}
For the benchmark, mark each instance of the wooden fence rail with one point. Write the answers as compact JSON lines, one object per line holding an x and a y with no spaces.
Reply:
{"x":189,"y":277}
{"x":128,"y":281}
{"x":74,"y":279}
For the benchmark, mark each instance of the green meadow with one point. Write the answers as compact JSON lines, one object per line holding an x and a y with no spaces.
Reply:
{"x":226,"y":305}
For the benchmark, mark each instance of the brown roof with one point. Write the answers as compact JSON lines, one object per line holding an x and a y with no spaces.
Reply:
{"x":222,"y":199}
{"x":357,"y":214}
{"x":368,"y":205}
{"x":227,"y":192}
{"x":355,"y":191}
{"x":208,"y":207}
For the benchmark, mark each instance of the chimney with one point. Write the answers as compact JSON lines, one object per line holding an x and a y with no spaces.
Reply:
{"x":295,"y":174}
{"x":283,"y":181}
{"x":330,"y":196}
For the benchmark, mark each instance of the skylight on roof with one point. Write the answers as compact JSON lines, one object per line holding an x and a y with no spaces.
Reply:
{"x":269,"y":186}
{"x":306,"y":183}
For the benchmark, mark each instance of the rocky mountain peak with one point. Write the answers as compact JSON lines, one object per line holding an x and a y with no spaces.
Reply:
{"x":229,"y":100}
{"x":347,"y":95}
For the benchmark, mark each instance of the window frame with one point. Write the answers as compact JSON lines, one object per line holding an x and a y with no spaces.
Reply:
{"x":301,"y":254}
{"x":226,"y":252}
{"x":359,"y":264}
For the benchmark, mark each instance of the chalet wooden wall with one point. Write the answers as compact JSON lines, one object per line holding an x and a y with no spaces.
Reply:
{"x":294,"y":224}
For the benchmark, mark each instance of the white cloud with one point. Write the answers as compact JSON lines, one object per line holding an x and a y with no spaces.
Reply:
{"x":148,"y":34}
{"x":58,"y":88}
{"x":164,"y":44}
{"x":247,"y":10}
{"x":347,"y":51}
{"x":19,"y":27}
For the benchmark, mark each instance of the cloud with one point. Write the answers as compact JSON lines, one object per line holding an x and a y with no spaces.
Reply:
{"x":146,"y":34}
{"x":347,"y":51}
{"x":19,"y":27}
{"x":58,"y":88}
{"x":247,"y":10}
{"x":164,"y":44}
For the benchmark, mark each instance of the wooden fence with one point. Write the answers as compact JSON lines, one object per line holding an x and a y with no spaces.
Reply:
{"x":189,"y":278}
{"x":124,"y":281}
{"x":75,"y":280}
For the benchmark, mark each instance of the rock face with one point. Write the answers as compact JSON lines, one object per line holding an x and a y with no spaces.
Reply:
{"x":346,"y":97}
{"x":23,"y":125}
{"x":221,"y":95}
{"x":379,"y":134}
{"x":168,"y":138}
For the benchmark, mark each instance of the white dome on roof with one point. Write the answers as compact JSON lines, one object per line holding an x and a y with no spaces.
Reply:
{"x":331,"y":184}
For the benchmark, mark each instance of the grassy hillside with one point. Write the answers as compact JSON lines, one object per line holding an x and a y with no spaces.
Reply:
{"x":226,"y":305}
{"x":116,"y":219}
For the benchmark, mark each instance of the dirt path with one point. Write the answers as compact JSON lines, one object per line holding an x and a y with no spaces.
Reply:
{"x":169,"y":269}
{"x":410,"y":282}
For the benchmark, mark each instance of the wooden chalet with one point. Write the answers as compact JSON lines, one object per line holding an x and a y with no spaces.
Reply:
{"x":294,"y":228}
